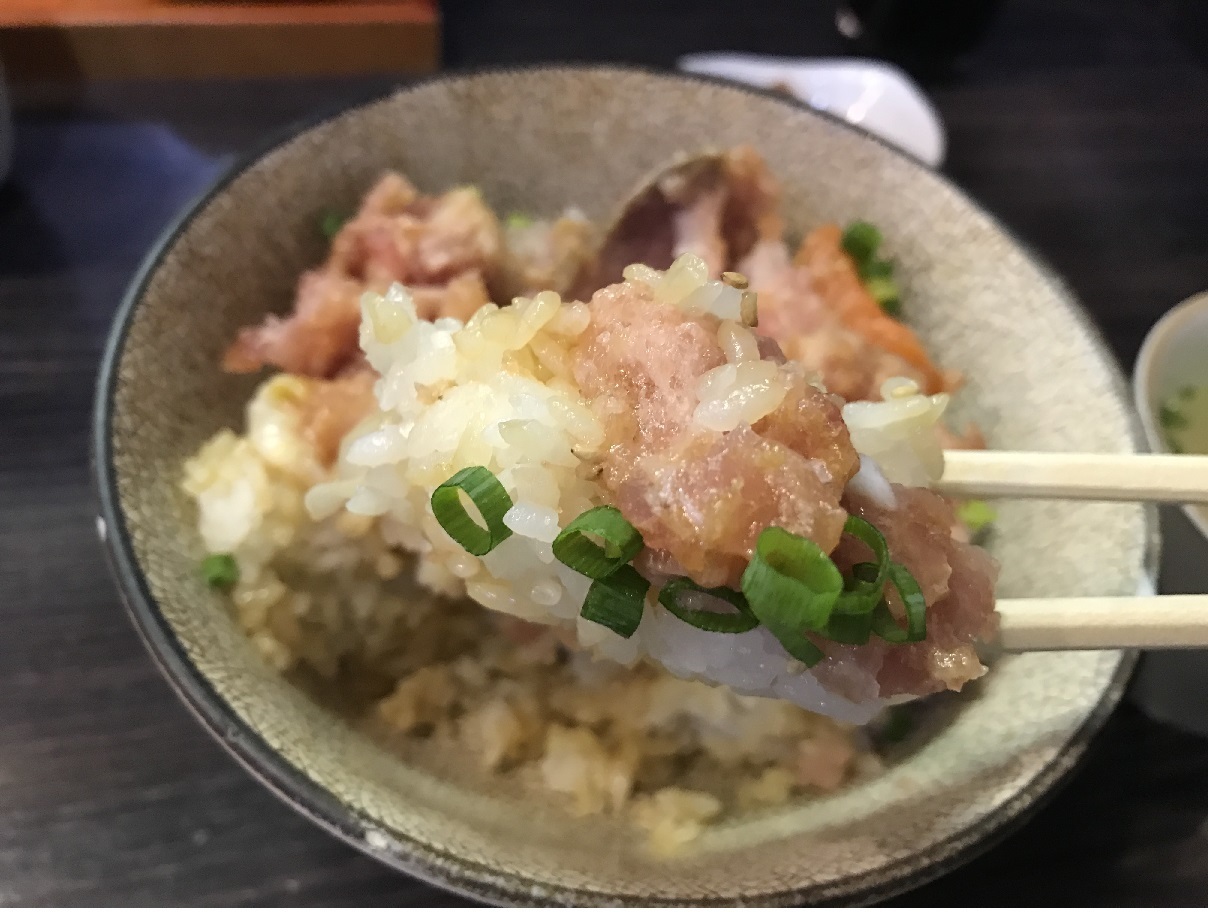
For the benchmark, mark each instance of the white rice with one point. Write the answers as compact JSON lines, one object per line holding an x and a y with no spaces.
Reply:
{"x":899,"y":432}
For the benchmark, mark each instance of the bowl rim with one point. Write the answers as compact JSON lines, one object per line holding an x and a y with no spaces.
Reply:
{"x":1155,"y":341}
{"x":437,"y":866}
{"x":883,"y":68}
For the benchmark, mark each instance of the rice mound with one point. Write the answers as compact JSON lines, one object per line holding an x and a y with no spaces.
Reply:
{"x":495,"y":392}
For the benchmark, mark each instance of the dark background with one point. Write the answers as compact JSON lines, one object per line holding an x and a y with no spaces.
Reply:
{"x":1083,"y":125}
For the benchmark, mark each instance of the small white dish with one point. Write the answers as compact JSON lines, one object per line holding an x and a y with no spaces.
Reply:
{"x":1173,"y":355}
{"x":873,"y":95}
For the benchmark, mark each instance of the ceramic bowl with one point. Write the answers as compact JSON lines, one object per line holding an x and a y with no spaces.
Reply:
{"x":1173,"y":355}
{"x":873,"y":95}
{"x":1039,"y":378}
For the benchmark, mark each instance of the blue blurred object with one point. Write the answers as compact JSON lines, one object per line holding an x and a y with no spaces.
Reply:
{"x":86,"y":195}
{"x":96,"y":191}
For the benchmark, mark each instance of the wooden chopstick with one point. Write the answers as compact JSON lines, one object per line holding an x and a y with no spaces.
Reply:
{"x":1133,"y":622}
{"x":1159,"y":477}
{"x":1127,"y":622}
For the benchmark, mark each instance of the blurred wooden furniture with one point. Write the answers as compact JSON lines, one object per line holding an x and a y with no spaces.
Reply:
{"x":87,"y":40}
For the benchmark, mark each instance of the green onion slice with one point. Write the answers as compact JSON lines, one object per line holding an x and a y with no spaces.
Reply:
{"x":861,"y":240}
{"x":883,"y":623}
{"x":850,"y":629}
{"x":798,"y":645}
{"x":886,"y":293}
{"x":976,"y":514}
{"x":219,"y":571}
{"x":518,"y":220}
{"x":487,"y":494}
{"x":1171,"y":418}
{"x":617,"y":601}
{"x":622,"y":542}
{"x":876,"y":269}
{"x":851,"y":621}
{"x":863,"y":591}
{"x":702,"y":619}
{"x":791,"y":585}
{"x":331,"y":223}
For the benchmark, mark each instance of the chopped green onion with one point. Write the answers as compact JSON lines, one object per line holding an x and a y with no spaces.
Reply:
{"x":617,"y":601}
{"x":791,"y":585}
{"x":875,"y":269}
{"x":1187,"y":393}
{"x":219,"y":571}
{"x":622,"y":542}
{"x":883,"y":623}
{"x":702,"y":619}
{"x":850,"y":629}
{"x":487,"y":494}
{"x":861,"y":240}
{"x":798,"y":645}
{"x":867,"y":584}
{"x":851,"y":621}
{"x":331,"y":223}
{"x":518,"y":220}
{"x":976,"y":515}
{"x":1172,"y":419}
{"x":886,"y":293}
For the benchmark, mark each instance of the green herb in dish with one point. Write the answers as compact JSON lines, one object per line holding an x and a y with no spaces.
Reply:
{"x":1171,"y":418}
{"x":1184,"y":420}
{"x":489,"y":498}
{"x":575,"y":548}
{"x":518,"y":220}
{"x":617,"y":601}
{"x":860,"y":241}
{"x":740,"y":621}
{"x":886,"y":626}
{"x":885,"y":292}
{"x":791,"y":586}
{"x":219,"y":571}
{"x":331,"y":223}
{"x":867,"y":585}
{"x":976,"y":515}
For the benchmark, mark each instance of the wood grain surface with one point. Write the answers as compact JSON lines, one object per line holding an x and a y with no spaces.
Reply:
{"x":1084,"y":125}
{"x":78,"y":41}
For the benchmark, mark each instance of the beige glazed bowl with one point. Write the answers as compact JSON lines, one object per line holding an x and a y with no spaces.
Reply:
{"x":538,"y":140}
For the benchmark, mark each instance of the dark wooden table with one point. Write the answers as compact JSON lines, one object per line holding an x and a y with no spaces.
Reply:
{"x":1083,"y":124}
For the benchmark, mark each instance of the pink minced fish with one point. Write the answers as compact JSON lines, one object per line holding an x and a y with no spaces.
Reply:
{"x":701,"y":498}
{"x":445,"y":248}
